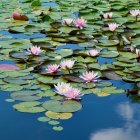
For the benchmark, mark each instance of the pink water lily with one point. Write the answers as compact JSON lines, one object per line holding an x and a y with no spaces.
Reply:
{"x":68,"y":91}
{"x":80,"y":23}
{"x":93,"y":52}
{"x":107,"y":15}
{"x":67,"y":64}
{"x":62,"y":88}
{"x":113,"y":26}
{"x":89,"y":77}
{"x":67,"y":21}
{"x":73,"y":93}
{"x":52,"y":68}
{"x":135,"y":12}
{"x":34,"y":50}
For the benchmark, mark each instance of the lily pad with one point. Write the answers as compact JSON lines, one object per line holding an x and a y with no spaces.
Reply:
{"x":58,"y":106}
{"x":55,"y":115}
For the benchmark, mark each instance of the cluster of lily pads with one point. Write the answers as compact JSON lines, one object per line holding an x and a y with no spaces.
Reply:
{"x":50,"y":76}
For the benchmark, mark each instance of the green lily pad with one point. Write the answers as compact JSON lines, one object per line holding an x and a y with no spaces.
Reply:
{"x":58,"y":106}
{"x":55,"y":115}
{"x":58,"y":128}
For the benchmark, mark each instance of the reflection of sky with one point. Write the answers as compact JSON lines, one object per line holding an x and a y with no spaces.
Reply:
{"x":130,"y":130}
{"x":21,"y":35}
{"x":49,"y":4}
{"x":70,"y":46}
{"x":102,"y":60}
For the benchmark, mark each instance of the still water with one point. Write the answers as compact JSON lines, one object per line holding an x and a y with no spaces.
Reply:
{"x":114,"y":117}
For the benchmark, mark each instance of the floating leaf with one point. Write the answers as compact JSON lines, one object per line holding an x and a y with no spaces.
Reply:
{"x":30,"y":107}
{"x":53,"y":122}
{"x":58,"y":128}
{"x":43,"y":119}
{"x":58,"y":106}
{"x":55,"y":115}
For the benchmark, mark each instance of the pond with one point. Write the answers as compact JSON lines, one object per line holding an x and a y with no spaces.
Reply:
{"x":66,"y":74}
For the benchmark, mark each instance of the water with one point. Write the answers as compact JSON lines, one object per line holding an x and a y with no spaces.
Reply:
{"x":109,"y":118}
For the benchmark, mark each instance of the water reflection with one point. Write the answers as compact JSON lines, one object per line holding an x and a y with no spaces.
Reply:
{"x":130,"y":130}
{"x":21,"y":35}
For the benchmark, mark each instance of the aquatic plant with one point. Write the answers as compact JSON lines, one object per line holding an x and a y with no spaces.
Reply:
{"x":108,"y":15}
{"x":113,"y":26}
{"x":89,"y":76}
{"x":34,"y":50}
{"x":67,"y":21}
{"x":67,"y":64}
{"x":62,"y":88}
{"x":80,"y":23}
{"x":93,"y":52}
{"x":68,"y":91}
{"x":52,"y":68}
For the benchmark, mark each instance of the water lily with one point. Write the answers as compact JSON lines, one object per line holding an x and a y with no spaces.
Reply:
{"x":67,"y":21}
{"x":80,"y":23}
{"x":73,"y":93}
{"x":68,"y":91}
{"x":107,"y":15}
{"x":34,"y":50}
{"x":135,"y":12}
{"x":62,"y":88}
{"x":67,"y":64}
{"x":138,"y":52}
{"x":93,"y":52}
{"x":113,"y":26}
{"x":52,"y":68}
{"x":89,"y":77}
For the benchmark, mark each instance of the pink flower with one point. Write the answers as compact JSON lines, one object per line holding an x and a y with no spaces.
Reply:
{"x":138,"y":52}
{"x":93,"y":52}
{"x":135,"y":12}
{"x":52,"y":68}
{"x":89,"y":77}
{"x":80,"y":23}
{"x":108,"y":15}
{"x":34,"y":50}
{"x":68,"y":91}
{"x":67,"y":64}
{"x":73,"y":93}
{"x":62,"y":88}
{"x":67,"y":21}
{"x":113,"y":26}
